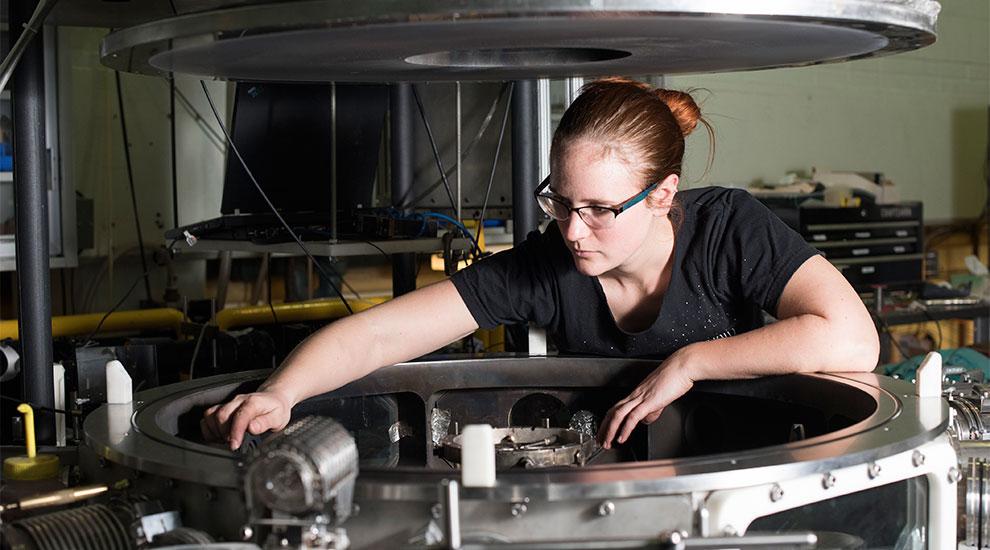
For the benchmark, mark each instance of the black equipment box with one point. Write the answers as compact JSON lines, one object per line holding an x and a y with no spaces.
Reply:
{"x":871,"y":244}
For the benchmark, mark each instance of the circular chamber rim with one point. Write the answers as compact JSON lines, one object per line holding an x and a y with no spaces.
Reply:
{"x":181,"y":42}
{"x":132,"y":434}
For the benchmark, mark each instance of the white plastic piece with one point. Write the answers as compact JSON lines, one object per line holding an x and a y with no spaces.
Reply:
{"x":477,"y":456}
{"x":118,"y":383}
{"x":59,"y":376}
{"x":928,"y":377}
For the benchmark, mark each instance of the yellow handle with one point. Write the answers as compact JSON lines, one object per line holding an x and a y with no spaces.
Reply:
{"x":28,"y":413}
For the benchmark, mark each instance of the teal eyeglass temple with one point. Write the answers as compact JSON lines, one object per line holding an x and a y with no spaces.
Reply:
{"x":616,"y":210}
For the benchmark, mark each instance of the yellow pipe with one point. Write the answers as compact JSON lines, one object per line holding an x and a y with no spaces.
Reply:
{"x":313,"y":310}
{"x":118,"y":321}
{"x":28,"y":413}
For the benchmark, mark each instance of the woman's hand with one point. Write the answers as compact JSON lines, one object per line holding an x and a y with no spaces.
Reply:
{"x":661,"y":388}
{"x":253,"y":412}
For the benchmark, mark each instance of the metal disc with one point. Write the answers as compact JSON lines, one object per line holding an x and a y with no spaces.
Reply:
{"x":381,"y":41}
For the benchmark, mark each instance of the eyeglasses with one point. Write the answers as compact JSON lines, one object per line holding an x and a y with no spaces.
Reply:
{"x":594,"y":216}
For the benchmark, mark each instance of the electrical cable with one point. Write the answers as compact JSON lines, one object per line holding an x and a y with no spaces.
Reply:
{"x":890,"y":334}
{"x":99,"y":325}
{"x":433,"y":146}
{"x":199,"y":340}
{"x":130,"y":181}
{"x":464,"y":154}
{"x":938,"y":325}
{"x":264,"y":196}
{"x":37,"y":407}
{"x":30,"y":29}
{"x":173,"y":148}
{"x":498,"y":149}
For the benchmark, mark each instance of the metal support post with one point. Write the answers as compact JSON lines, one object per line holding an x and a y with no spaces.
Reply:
{"x":402,"y":152}
{"x":31,"y":211}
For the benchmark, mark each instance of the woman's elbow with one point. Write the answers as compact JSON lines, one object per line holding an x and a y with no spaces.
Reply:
{"x":862,"y":349}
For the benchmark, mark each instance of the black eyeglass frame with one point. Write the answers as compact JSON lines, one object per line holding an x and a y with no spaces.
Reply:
{"x":615,"y":210}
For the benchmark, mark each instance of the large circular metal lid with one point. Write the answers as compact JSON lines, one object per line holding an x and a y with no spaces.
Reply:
{"x":379,"y":40}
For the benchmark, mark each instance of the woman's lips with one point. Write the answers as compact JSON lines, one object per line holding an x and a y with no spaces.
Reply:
{"x":582,"y":253}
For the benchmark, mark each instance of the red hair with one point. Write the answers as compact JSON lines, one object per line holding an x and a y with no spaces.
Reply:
{"x":644,"y":126}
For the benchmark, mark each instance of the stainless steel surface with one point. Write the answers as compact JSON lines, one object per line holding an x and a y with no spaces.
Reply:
{"x":870,"y":419}
{"x":379,"y":40}
{"x":145,"y":438}
{"x":307,"y":468}
{"x":329,"y":249}
{"x":530,"y":447}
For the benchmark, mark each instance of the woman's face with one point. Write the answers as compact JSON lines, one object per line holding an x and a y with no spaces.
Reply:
{"x":588,"y":174}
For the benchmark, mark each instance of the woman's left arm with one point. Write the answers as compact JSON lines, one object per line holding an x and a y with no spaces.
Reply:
{"x":823,"y":327}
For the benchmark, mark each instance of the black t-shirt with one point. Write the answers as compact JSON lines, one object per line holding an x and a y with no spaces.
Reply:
{"x":732,"y":258}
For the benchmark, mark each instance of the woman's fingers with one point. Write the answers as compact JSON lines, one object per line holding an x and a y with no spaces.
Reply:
{"x":614,"y":419}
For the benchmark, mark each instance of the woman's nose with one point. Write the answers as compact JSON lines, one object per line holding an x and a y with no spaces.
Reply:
{"x":574,"y":228}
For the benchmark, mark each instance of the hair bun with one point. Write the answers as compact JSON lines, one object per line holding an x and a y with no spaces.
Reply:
{"x":683,"y":107}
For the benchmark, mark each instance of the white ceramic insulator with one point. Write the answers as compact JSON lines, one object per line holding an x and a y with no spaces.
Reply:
{"x":477,"y":456}
{"x":118,"y":383}
{"x":928,"y":377}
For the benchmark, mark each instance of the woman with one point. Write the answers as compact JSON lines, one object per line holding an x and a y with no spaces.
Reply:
{"x":630,"y":268}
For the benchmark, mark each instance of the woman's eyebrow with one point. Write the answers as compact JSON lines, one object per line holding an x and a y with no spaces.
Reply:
{"x":589,"y":202}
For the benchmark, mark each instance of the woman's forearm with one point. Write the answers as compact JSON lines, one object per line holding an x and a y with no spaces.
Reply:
{"x":803,"y":343}
{"x":393,"y":332}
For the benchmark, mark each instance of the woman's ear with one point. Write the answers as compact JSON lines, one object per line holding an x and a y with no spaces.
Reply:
{"x":662,"y":198}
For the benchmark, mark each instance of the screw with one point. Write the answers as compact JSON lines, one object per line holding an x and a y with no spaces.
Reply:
{"x":954,"y":475}
{"x":436,"y":511}
{"x":606,"y":508}
{"x":917,"y":459}
{"x":247,"y":532}
{"x":873,"y":470}
{"x":828,"y":480}
{"x":518,"y":509}
{"x":211,"y":495}
{"x":776,"y":493}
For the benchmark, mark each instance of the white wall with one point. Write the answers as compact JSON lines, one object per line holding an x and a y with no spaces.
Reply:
{"x":93,"y":159}
{"x":919,"y":117}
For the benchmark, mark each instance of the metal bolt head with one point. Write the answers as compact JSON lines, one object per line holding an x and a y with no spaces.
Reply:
{"x":247,"y":533}
{"x":828,"y":480}
{"x":873,"y":470}
{"x":917,"y":458}
{"x":776,"y":492}
{"x":606,"y":508}
{"x":518,"y":509}
{"x":955,"y":475}
{"x":436,"y":511}
{"x":673,"y":539}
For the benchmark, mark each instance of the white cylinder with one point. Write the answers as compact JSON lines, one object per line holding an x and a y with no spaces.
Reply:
{"x":477,"y":456}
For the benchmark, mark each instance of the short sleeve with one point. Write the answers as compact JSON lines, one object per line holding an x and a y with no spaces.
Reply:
{"x":513,"y":286}
{"x":758,"y":252}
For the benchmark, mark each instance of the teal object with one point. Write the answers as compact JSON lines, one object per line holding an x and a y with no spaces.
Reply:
{"x":955,"y":364}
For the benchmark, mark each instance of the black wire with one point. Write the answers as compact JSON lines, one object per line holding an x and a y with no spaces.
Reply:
{"x":175,"y":169}
{"x":890,"y":334}
{"x":130,"y":181}
{"x":36,"y":407}
{"x":115,"y":307}
{"x":938,"y":325}
{"x":199,"y":341}
{"x":433,"y":145}
{"x":264,"y":196}
{"x":464,"y":154}
{"x":498,"y":149}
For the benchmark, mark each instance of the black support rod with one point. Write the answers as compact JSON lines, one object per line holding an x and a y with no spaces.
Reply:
{"x":525,"y":171}
{"x":401,"y":169}
{"x":31,"y":210}
{"x":525,"y":163}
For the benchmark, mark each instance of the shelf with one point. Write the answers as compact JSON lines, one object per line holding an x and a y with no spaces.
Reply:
{"x":335,"y":249}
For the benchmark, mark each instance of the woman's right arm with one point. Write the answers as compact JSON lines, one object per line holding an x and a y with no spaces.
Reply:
{"x":398,"y":330}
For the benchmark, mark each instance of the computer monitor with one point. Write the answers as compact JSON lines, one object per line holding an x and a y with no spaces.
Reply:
{"x":283,"y":131}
